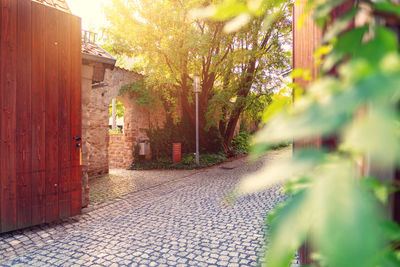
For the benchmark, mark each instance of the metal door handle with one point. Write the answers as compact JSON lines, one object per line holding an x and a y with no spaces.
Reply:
{"x":77,"y":138}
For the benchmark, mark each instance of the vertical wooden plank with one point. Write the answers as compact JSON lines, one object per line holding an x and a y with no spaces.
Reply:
{"x":23,"y":131}
{"x":38,"y":115}
{"x":76,"y":115}
{"x":306,"y":39}
{"x":8,"y":71}
{"x":52,"y":118}
{"x":1,"y":107}
{"x":64,"y":79}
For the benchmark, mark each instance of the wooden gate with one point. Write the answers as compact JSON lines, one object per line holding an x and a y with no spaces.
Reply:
{"x":40,"y":114}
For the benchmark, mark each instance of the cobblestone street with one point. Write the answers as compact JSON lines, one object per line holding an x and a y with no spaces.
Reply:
{"x":180,"y":220}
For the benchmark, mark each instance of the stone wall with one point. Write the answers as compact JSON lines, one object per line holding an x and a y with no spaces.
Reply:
{"x":136,"y":119}
{"x":120,"y":152}
{"x":95,"y":117}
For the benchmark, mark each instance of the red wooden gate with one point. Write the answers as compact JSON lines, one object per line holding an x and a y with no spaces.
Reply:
{"x":40,"y":114}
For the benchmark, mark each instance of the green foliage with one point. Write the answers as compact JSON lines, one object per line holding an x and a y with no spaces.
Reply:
{"x":171,"y":45}
{"x":144,"y":95}
{"x":240,"y":143}
{"x":342,"y":219}
{"x":188,"y":162}
{"x":280,"y":101}
{"x":161,"y":139}
{"x":118,"y":131}
{"x":119,"y":108}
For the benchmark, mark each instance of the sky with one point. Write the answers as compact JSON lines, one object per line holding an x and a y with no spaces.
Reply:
{"x":91,"y":12}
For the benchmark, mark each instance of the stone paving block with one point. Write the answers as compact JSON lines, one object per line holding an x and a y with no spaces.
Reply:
{"x":182,"y":222}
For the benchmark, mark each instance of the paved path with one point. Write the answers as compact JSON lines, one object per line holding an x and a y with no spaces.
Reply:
{"x":120,"y":183}
{"x":179,"y":223}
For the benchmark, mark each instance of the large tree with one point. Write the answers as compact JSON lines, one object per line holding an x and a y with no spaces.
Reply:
{"x":238,"y":70}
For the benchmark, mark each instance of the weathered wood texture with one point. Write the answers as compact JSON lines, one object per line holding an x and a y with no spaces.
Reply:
{"x":40,"y":112}
{"x":307,"y":37}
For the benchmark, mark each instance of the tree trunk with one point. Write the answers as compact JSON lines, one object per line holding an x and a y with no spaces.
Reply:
{"x":244,"y":91}
{"x":230,"y":129}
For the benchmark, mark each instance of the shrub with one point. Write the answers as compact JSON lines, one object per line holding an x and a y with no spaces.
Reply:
{"x":161,"y":139}
{"x":187,"y":162}
{"x":240,"y":143}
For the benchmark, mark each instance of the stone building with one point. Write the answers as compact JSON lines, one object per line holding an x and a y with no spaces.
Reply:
{"x":101,"y":82}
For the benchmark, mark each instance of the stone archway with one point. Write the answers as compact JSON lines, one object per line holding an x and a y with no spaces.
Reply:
{"x":95,"y":134}
{"x":121,"y":145}
{"x":95,"y":115}
{"x":97,"y":156}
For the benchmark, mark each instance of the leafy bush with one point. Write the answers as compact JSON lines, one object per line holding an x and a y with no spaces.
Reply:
{"x":144,"y":95}
{"x":240,"y":143}
{"x":187,"y":162}
{"x":161,"y":139}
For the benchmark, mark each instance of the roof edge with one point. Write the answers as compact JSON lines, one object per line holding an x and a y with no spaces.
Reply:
{"x":100,"y":59}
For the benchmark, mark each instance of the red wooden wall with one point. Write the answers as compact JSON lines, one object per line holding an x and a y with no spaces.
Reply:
{"x":40,"y":113}
{"x":307,"y":39}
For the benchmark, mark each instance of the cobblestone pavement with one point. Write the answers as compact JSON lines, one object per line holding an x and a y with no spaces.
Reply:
{"x":119,"y":183}
{"x":179,"y":223}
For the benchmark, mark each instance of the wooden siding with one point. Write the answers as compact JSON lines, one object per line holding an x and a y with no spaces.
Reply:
{"x":307,"y":38}
{"x":40,"y":112}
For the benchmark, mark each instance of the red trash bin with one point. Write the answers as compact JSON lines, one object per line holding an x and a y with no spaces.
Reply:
{"x":176,"y":152}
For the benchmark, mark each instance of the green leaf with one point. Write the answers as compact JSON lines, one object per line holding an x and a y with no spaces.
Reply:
{"x":230,"y":9}
{"x":391,"y":230}
{"x":385,"y":41}
{"x":390,"y":259}
{"x":289,"y":226}
{"x":279,"y":170}
{"x":387,"y":7}
{"x":280,"y":101}
{"x":322,"y":11}
{"x":351,"y":44}
{"x":346,"y":217}
{"x":375,"y":134}
{"x":340,"y":25}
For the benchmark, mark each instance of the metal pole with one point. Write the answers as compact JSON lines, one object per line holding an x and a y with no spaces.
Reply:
{"x":197,"y":129}
{"x":196,"y":86}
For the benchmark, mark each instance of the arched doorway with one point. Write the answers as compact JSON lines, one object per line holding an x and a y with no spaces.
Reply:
{"x":116,"y":116}
{"x":120,"y":146}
